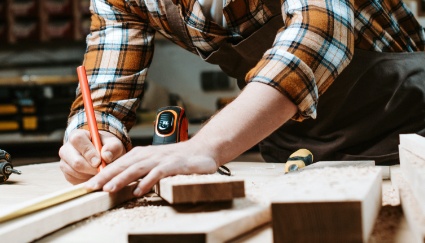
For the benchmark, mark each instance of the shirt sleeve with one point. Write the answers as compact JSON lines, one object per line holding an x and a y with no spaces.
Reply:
{"x":119,"y":52}
{"x":314,"y":46}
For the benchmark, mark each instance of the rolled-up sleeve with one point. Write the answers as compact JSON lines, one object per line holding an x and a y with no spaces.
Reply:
{"x":119,"y":52}
{"x":309,"y":52}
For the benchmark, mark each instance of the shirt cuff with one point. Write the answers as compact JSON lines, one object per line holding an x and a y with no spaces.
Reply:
{"x":105,"y":122}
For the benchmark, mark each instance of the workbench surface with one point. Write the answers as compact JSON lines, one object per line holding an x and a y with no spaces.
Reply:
{"x":115,"y":224}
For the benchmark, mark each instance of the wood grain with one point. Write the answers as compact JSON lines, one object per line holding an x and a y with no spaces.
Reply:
{"x":200,"y":188}
{"x":411,"y":206}
{"x":412,"y":164}
{"x":33,"y":226}
{"x":43,"y":202}
{"x":327,"y":204}
{"x":154,"y":217}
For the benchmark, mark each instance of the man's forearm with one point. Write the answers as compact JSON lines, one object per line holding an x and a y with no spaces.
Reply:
{"x":253,"y":115}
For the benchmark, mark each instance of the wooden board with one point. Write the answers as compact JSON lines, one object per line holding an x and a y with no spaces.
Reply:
{"x":35,"y":181}
{"x":412,"y":164}
{"x":200,"y":188}
{"x":414,"y":143}
{"x":390,"y":226}
{"x":38,"y":181}
{"x":411,"y":206}
{"x":337,"y":204}
{"x":151,"y":218}
{"x":38,"y":223}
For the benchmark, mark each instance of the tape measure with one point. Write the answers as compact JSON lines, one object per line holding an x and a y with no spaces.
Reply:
{"x":171,"y":125}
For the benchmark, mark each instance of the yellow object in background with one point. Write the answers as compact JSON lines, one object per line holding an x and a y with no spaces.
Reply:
{"x":29,"y":122}
{"x":9,"y":109}
{"x":9,"y":126}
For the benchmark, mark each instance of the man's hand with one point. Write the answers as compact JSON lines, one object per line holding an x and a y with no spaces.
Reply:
{"x":152,"y":163}
{"x":80,"y":159}
{"x":253,"y":115}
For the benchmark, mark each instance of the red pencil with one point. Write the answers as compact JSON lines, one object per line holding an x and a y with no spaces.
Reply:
{"x":88,"y":106}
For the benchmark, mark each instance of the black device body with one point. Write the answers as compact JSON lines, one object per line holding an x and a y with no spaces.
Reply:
{"x":171,"y":125}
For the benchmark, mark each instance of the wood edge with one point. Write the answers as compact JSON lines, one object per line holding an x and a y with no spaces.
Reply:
{"x":412,"y":211}
{"x":43,"y":202}
{"x":411,"y":175}
{"x":229,"y":191}
{"x":413,"y":143}
{"x":48,"y":220}
{"x":369,"y":215}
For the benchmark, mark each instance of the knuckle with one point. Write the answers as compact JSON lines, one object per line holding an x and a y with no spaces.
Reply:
{"x":159,"y":172}
{"x":78,"y":164}
{"x":62,"y":166}
{"x":62,"y":152}
{"x":76,"y":137}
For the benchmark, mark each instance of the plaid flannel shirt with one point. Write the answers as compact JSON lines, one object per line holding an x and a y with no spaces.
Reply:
{"x":315,"y":44}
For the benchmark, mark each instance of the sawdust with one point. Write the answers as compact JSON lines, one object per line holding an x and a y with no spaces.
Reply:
{"x":390,"y":195}
{"x":199,"y":179}
{"x":410,"y":201}
{"x":319,"y":182}
{"x":387,"y":224}
{"x":144,"y":210}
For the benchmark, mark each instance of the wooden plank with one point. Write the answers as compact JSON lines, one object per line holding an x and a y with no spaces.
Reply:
{"x":33,"y":226}
{"x":411,"y":206}
{"x":43,"y":202}
{"x":216,"y":222}
{"x":35,"y":181}
{"x":151,"y":217}
{"x":200,"y":188}
{"x":414,"y":143}
{"x":412,"y":164}
{"x":328,"y":204}
{"x":228,"y":188}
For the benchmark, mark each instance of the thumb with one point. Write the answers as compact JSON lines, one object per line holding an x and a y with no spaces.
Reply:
{"x":112,"y":148}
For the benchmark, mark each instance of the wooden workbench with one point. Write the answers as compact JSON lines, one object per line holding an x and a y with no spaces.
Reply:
{"x":114,"y":225}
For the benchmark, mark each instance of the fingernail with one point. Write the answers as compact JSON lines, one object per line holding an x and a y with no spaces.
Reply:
{"x":107,"y":156}
{"x":137,"y":192}
{"x":108,"y":187}
{"x":95,"y":161}
{"x":91,"y":185}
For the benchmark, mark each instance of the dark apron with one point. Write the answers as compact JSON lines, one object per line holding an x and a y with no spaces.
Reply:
{"x":376,"y":98}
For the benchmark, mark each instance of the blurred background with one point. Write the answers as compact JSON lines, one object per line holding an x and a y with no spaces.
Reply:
{"x":41,"y":44}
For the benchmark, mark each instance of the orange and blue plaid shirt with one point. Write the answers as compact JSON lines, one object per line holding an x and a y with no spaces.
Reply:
{"x":315,"y":44}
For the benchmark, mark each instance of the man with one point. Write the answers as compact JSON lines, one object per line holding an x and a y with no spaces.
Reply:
{"x":341,"y":78}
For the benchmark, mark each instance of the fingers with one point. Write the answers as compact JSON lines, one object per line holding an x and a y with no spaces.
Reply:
{"x":150,"y":163}
{"x":74,"y":166}
{"x":121,"y":173}
{"x":79,"y":157}
{"x":72,"y":176}
{"x":146,"y":184}
{"x":195,"y":164}
{"x":112,"y":149}
{"x":80,"y":140}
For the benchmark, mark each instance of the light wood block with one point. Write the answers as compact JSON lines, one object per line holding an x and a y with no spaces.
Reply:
{"x":331,"y":204}
{"x":207,"y":222}
{"x":33,"y":226}
{"x":200,"y":188}
{"x":411,"y":206}
{"x":213,"y":222}
{"x":412,"y":165}
{"x":414,"y":143}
